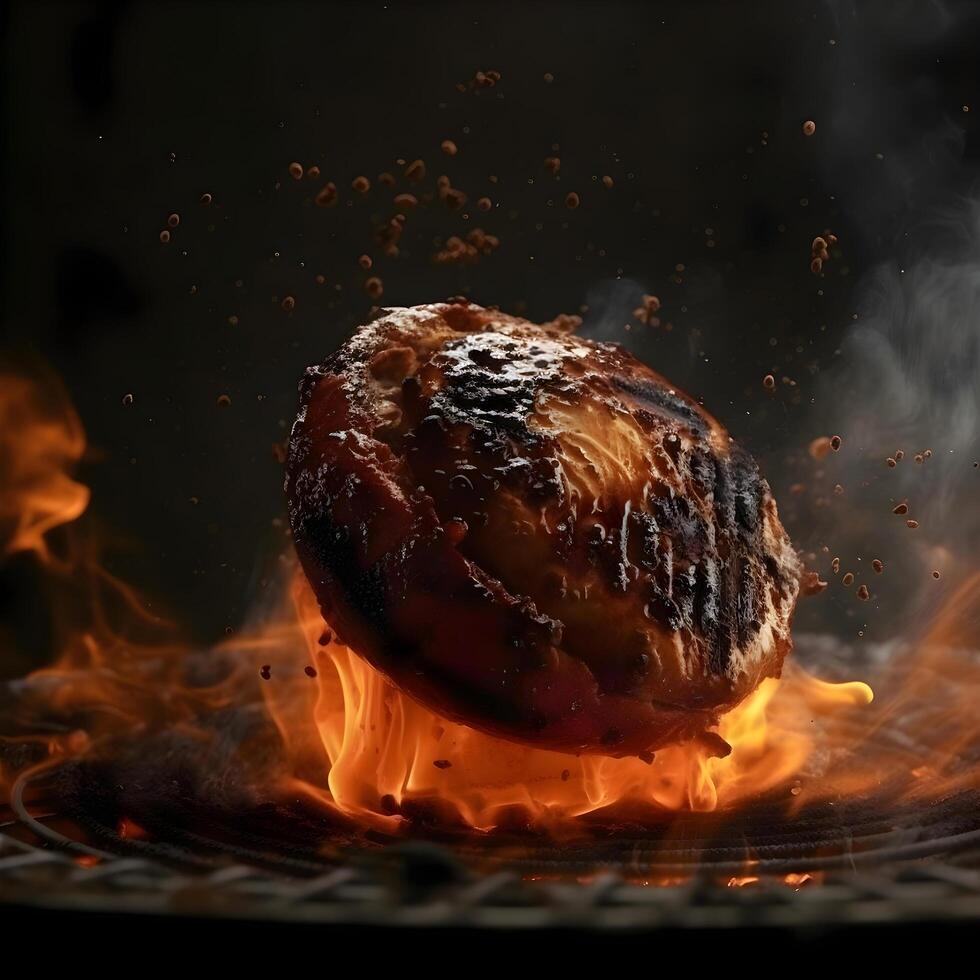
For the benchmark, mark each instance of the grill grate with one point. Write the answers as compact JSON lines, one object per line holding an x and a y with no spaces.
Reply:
{"x":48,"y":861}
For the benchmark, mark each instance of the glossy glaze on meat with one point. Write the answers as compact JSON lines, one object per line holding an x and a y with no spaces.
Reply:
{"x":535,"y":534}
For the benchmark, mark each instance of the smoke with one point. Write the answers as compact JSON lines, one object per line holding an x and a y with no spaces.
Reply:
{"x":905,"y":382}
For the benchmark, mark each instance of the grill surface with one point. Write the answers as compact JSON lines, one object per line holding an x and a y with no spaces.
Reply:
{"x":69,"y":841}
{"x":914,"y":865}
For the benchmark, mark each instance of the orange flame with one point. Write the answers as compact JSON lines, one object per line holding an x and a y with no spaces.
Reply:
{"x":356,"y":744}
{"x":40,"y":438}
{"x":382,"y":749}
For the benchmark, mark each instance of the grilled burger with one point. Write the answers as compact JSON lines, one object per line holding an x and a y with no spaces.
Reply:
{"x":535,"y":534}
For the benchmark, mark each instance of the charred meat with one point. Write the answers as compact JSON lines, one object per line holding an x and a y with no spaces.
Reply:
{"x":535,"y":534}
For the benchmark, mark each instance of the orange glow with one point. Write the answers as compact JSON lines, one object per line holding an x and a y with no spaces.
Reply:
{"x":381,"y":749}
{"x":353,"y":743}
{"x":40,"y":437}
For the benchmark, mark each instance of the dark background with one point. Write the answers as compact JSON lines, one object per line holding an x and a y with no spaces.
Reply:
{"x":115,"y":115}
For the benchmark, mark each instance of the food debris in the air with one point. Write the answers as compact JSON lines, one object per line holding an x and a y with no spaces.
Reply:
{"x":877,"y":565}
{"x":484,"y":204}
{"x":360,"y":185}
{"x":607,"y":181}
{"x":900,"y":509}
{"x":326,"y":196}
{"x":936,"y":573}
{"x":835,"y":565}
{"x":769,"y":381}
{"x":265,"y":672}
{"x":224,"y":401}
{"x":415,"y":171}
{"x":552,"y":164}
{"x":912,"y":524}
{"x":835,"y":443}
{"x":288,"y":304}
{"x":469,"y":250}
{"x":405,"y":202}
{"x":296,"y":170}
{"x":449,"y":148}
{"x":848,"y":579}
{"x":365,"y":262}
{"x":863,"y":594}
{"x":891,"y":462}
{"x":647,"y":313}
{"x":206,"y":199}
{"x":374,"y":287}
{"x":572,"y":200}
{"x":164,"y":236}
{"x":173,"y":220}
{"x":809,"y":127}
{"x":820,"y":447}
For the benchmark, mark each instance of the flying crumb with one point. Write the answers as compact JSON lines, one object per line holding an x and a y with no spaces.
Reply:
{"x":360,"y":185}
{"x":863,"y":594}
{"x":820,"y":447}
{"x":374,"y":287}
{"x":365,"y":262}
{"x":838,"y":489}
{"x":442,"y":764}
{"x":173,"y":220}
{"x":899,"y":455}
{"x":572,"y":200}
{"x":809,"y":127}
{"x":224,"y":401}
{"x":835,"y":443}
{"x":848,"y":579}
{"x":265,"y":672}
{"x":912,"y":524}
{"x":127,"y":399}
{"x":647,"y":313}
{"x":548,"y":77}
{"x":552,"y":164}
{"x":327,"y":196}
{"x":296,"y":171}
{"x":936,"y":573}
{"x":313,"y":173}
{"x":607,"y":181}
{"x":415,"y":171}
{"x":288,"y":304}
{"x":309,"y":671}
{"x":206,"y":199}
{"x":877,"y":566}
{"x":164,"y":237}
{"x":454,"y":198}
{"x":449,"y":148}
{"x":900,"y":509}
{"x":406,"y":201}
{"x":835,"y":565}
{"x":769,"y":381}
{"x":891,"y":462}
{"x":484,"y":204}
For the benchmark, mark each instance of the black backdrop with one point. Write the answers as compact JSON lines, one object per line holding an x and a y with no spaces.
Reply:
{"x":115,"y":115}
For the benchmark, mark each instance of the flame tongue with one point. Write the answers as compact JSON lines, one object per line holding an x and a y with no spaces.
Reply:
{"x":352,"y":741}
{"x":40,"y":437}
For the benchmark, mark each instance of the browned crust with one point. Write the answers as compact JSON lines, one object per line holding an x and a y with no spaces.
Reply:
{"x":422,"y":576}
